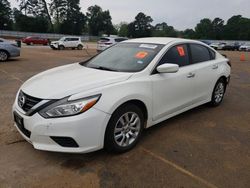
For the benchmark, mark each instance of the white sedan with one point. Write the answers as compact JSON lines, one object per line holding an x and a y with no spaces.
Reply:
{"x":107,"y":101}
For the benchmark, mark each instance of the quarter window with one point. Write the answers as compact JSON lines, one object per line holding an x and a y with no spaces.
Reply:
{"x":176,"y":55}
{"x":199,"y":53}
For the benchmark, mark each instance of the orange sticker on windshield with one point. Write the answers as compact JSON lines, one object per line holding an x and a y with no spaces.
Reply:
{"x":141,"y":55}
{"x":181,"y":50}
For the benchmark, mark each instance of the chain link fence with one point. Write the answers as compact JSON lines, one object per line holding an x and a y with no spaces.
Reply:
{"x":51,"y":36}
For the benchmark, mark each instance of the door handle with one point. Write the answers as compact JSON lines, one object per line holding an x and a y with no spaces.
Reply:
{"x":190,"y":75}
{"x":215,"y":67}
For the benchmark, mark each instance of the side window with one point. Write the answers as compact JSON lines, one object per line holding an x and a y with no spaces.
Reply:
{"x":199,"y":53}
{"x":176,"y":55}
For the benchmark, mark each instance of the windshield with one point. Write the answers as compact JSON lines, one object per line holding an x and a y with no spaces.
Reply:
{"x":62,"y":39}
{"x":125,"y":57}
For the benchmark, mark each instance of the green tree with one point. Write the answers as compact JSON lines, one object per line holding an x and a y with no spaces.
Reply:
{"x":5,"y":15}
{"x":163,"y":30}
{"x":99,"y":21}
{"x":188,"y":33}
{"x":141,"y":27}
{"x":29,"y":23}
{"x":123,"y":29}
{"x":67,"y":16}
{"x":204,"y":29}
{"x":237,"y":28}
{"x":37,"y":8}
{"x":218,"y":28}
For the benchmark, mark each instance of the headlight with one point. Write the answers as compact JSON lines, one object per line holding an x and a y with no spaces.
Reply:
{"x":65,"y":108}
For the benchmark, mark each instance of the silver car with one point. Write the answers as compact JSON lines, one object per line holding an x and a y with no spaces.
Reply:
{"x":106,"y":42}
{"x":8,"y":49}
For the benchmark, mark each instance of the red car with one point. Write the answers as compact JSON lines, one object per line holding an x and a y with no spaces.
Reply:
{"x":35,"y":40}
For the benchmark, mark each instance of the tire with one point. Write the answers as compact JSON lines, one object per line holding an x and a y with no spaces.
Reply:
{"x":31,"y":43}
{"x":3,"y":56}
{"x":121,"y":137}
{"x":79,"y":47}
{"x":218,"y":92}
{"x":61,"y":47}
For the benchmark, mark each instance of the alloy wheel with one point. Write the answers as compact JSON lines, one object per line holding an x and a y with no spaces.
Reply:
{"x":219,"y":92}
{"x":3,"y":56}
{"x":127,"y":129}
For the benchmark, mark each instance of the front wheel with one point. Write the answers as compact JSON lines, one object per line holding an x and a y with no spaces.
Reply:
{"x":218,"y":93}
{"x":61,"y":47}
{"x":3,"y":55}
{"x":124,"y":129}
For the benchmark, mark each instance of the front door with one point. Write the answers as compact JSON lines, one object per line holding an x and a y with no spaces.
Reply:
{"x":173,"y":91}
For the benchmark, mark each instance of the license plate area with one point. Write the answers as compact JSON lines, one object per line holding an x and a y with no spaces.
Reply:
{"x":19,"y":122}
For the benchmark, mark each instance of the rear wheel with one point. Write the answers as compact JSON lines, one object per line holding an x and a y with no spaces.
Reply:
{"x":124,"y":129}
{"x":79,"y":47}
{"x":218,"y":93}
{"x":3,"y":55}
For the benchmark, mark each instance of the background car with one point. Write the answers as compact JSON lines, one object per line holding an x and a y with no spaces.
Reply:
{"x":106,"y":42}
{"x":67,"y":42}
{"x":206,"y":42}
{"x":8,"y":49}
{"x":232,"y":46}
{"x":217,"y":45}
{"x":35,"y":40}
{"x":245,"y":47}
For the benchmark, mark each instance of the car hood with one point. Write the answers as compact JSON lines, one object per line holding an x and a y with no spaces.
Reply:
{"x":66,"y":80}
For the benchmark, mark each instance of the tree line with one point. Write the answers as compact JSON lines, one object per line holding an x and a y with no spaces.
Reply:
{"x":65,"y":17}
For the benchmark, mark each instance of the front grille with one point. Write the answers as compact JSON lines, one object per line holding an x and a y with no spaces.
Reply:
{"x":26,"y":102}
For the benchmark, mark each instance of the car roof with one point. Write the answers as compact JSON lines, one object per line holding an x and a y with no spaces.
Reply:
{"x":159,"y":40}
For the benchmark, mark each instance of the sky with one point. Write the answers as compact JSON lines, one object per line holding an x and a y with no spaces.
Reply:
{"x":181,"y":14}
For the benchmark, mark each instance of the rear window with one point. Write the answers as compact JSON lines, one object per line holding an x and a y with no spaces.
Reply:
{"x":199,"y":53}
{"x":104,"y":39}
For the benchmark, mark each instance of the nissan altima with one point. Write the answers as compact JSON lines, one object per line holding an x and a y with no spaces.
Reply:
{"x":108,"y":100}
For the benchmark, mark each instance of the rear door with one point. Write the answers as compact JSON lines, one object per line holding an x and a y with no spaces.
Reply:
{"x":173,"y":92}
{"x":206,"y":69}
{"x":74,"y":42}
{"x":67,"y":42}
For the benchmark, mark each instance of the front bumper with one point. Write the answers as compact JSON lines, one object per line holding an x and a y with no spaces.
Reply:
{"x":87,"y":130}
{"x":15,"y":52}
{"x":54,"y":46}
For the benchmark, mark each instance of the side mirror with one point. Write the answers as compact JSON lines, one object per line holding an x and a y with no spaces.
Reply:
{"x":168,"y":68}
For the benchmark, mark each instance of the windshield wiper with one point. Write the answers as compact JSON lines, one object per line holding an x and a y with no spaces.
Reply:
{"x":104,"y":68}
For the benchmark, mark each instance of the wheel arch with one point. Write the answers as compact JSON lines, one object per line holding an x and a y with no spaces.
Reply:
{"x":5,"y":51}
{"x":138,"y":103}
